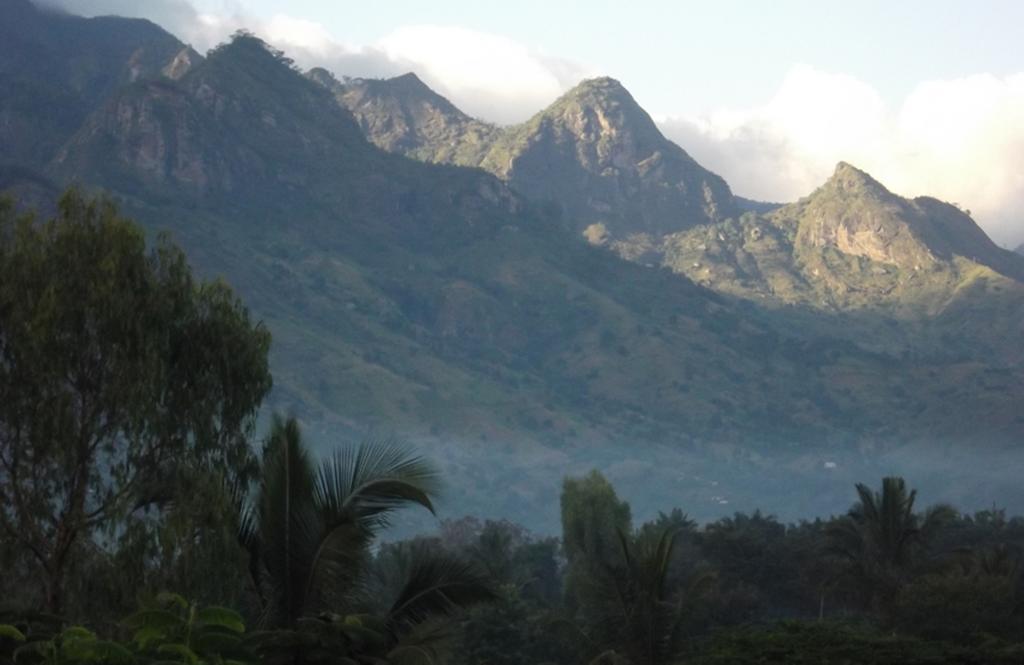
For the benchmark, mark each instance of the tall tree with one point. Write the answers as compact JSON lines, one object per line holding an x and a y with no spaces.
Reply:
{"x":308,"y":532}
{"x":593,"y":516}
{"x":881,"y":537}
{"x":640,"y":613}
{"x":309,"y":526}
{"x":116,"y":368}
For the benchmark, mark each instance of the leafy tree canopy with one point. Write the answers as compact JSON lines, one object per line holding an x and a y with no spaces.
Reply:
{"x":117,"y":370}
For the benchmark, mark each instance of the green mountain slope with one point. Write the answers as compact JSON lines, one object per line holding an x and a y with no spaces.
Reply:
{"x":402,"y":294}
{"x":431,"y":298}
{"x":438,"y":302}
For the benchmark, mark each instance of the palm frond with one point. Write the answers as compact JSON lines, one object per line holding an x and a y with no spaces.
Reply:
{"x":288,"y":533}
{"x":309,"y":527}
{"x":373,"y":479}
{"x":417,"y":584}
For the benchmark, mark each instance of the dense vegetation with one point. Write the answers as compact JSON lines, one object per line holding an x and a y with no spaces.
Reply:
{"x":140,"y":525}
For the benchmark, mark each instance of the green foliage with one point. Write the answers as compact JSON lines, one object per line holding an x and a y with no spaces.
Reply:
{"x":882,"y":538}
{"x":172,"y":629}
{"x":511,"y":631}
{"x":957,"y":607}
{"x":73,"y":646}
{"x":978,"y":594}
{"x":638,"y":613}
{"x":308,"y":532}
{"x":797,"y":643}
{"x":308,"y":527}
{"x":592,"y":519}
{"x":168,"y":630}
{"x":401,"y":612}
{"x":117,"y":371}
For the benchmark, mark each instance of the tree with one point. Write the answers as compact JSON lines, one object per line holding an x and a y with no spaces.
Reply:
{"x":752,"y":560}
{"x":592,"y":518}
{"x":117,"y":369}
{"x":308,"y":533}
{"x":881,"y":538}
{"x":637,"y":613}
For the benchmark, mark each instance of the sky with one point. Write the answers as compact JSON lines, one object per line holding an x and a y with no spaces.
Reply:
{"x":927,"y":96}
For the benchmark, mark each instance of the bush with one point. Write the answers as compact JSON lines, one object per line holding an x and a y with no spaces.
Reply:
{"x":957,"y":606}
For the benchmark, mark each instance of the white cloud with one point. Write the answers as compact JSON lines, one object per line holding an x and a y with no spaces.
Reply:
{"x":959,"y":140}
{"x":488,"y":75}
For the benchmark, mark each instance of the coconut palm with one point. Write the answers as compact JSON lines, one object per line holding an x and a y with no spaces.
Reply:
{"x":308,"y":532}
{"x":881,"y":538}
{"x":639,"y":614}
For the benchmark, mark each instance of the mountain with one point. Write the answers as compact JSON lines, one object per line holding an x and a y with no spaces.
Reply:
{"x":850,"y":243}
{"x":58,"y":67}
{"x":403,"y":115}
{"x":594,"y":154}
{"x":852,"y":247}
{"x":601,"y":157}
{"x":852,"y":250}
{"x":441,"y":303}
{"x":442,"y":299}
{"x":450,"y":302}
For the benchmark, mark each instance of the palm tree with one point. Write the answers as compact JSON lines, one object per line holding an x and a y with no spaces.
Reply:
{"x":639,"y":614}
{"x":881,"y":538}
{"x":308,"y":532}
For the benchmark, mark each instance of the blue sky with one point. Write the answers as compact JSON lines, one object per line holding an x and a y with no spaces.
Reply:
{"x":926,"y":96}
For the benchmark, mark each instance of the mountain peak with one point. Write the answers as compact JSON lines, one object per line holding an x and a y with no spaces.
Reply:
{"x":851,"y":179}
{"x":601,"y":92}
{"x":405,"y":89}
{"x":603,"y":107}
{"x":409,"y":81}
{"x":598,"y":153}
{"x":857,"y":215}
{"x":402,"y":114}
{"x":243,"y":42}
{"x":846,"y":168}
{"x":605,"y":84}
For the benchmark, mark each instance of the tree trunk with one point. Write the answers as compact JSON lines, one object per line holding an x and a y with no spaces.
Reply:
{"x":55,"y":590}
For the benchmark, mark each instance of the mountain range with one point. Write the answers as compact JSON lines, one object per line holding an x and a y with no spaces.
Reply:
{"x":910,"y":271}
{"x":574,"y":291}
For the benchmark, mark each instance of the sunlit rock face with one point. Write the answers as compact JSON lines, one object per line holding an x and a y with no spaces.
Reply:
{"x":594,"y":154}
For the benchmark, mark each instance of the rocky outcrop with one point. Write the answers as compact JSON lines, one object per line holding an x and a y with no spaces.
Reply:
{"x":594,"y":155}
{"x":854,"y":214}
{"x":603,"y":160}
{"x":58,"y":68}
{"x":404,"y":116}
